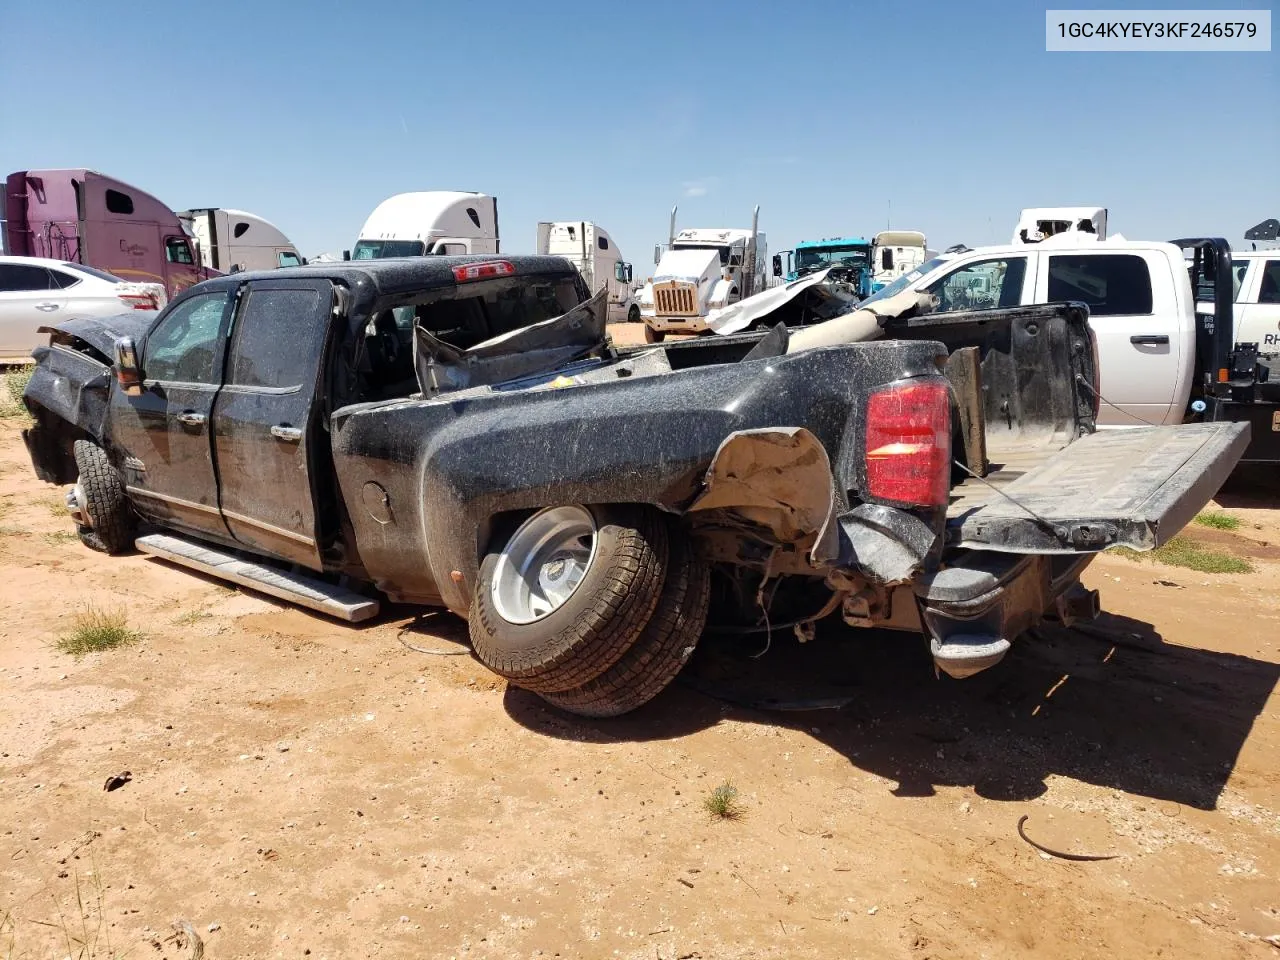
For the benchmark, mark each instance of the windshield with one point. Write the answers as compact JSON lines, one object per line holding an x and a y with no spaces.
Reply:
{"x":723,"y":251}
{"x":906,"y":280}
{"x":381,"y":249}
{"x":820,"y":259}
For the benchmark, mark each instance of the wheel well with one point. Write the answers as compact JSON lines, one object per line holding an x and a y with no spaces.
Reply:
{"x":51,"y":443}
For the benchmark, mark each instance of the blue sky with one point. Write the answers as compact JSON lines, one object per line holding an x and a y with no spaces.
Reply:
{"x":953,"y":113}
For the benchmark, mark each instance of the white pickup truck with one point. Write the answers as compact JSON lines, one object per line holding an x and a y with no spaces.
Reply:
{"x":1153,"y":338}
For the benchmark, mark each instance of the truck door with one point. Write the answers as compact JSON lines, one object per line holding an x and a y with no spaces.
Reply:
{"x":163,"y":434}
{"x":1258,"y":306}
{"x":265,"y":429}
{"x":1136,"y":323}
{"x":179,"y":264}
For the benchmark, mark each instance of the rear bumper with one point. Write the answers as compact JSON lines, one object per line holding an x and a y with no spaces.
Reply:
{"x":974,"y":609}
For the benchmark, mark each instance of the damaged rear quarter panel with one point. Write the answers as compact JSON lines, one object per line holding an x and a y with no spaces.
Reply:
{"x":448,"y":466}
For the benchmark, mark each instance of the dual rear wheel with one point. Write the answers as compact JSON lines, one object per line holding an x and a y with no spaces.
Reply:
{"x":594,"y":608}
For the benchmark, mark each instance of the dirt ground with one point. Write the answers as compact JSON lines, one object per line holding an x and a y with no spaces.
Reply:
{"x":300,"y":788}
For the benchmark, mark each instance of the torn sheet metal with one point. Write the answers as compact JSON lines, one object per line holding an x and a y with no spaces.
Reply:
{"x":778,"y":478}
{"x":537,"y":348}
{"x":738,"y":316}
{"x":101,"y":333}
{"x":885,"y":544}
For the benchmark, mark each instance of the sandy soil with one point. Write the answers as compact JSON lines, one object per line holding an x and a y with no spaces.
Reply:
{"x":301,"y":788}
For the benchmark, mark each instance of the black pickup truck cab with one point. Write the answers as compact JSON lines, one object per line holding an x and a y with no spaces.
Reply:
{"x":459,"y":431}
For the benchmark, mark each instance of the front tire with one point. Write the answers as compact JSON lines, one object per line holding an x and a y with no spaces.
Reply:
{"x":633,"y":315}
{"x":111,"y":525}
{"x":653,"y":336}
{"x":564,"y":597}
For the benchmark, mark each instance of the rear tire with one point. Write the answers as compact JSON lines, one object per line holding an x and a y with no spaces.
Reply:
{"x":658,"y":654}
{"x":591,"y":629}
{"x":653,"y":336}
{"x":112,"y":524}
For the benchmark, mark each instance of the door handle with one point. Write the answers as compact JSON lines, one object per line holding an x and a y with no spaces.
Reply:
{"x":189,"y":418}
{"x":1150,"y":339}
{"x":288,"y":434}
{"x":47,"y":307}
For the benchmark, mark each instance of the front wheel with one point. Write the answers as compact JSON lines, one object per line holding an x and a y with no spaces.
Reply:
{"x":566,"y":595}
{"x":653,"y":336}
{"x":633,"y":315}
{"x":105,"y":521}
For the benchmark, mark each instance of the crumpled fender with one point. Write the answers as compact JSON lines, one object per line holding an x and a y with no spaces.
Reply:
{"x":778,"y":478}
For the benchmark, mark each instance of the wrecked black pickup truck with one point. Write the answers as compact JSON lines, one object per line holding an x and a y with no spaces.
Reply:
{"x":459,"y":431}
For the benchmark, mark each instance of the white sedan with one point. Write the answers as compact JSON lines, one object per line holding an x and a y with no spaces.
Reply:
{"x":35,"y":292}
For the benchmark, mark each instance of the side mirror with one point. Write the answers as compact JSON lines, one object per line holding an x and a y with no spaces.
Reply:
{"x":346,"y":254}
{"x":657,"y":254}
{"x":128,"y":370}
{"x":777,"y":264}
{"x":628,"y":273}
{"x":304,"y":261}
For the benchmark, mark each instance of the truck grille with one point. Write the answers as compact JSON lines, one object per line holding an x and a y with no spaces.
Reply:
{"x":675,"y":300}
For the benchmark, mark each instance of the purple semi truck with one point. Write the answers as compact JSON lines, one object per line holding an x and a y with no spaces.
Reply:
{"x":85,"y":217}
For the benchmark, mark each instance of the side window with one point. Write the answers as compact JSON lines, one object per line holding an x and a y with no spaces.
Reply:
{"x":266,"y":349}
{"x":1269,"y":292}
{"x":287,"y":258}
{"x":118,"y":202}
{"x":1238,"y":269}
{"x":16,"y":277}
{"x":1111,"y":284}
{"x":886,"y":259}
{"x":983,"y":285}
{"x":602,"y":243}
{"x":63,"y":280}
{"x":176,"y":250}
{"x":240,"y":229}
{"x":183,"y":348}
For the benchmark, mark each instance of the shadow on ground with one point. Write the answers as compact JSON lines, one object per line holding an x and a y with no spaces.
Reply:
{"x":1116,"y":707}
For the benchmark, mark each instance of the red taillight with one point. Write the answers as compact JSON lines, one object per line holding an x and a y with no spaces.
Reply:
{"x":479,"y":271}
{"x":140,"y":301}
{"x":909,"y":443}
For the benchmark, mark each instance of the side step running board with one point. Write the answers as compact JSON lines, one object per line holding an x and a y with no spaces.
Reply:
{"x":303,"y":590}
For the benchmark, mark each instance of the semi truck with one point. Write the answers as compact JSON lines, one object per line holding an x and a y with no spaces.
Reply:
{"x":849,"y":256}
{"x":590,"y":248}
{"x":866,"y":265}
{"x":435,"y":222}
{"x":699,"y":270}
{"x":85,"y":217}
{"x":233,"y":240}
{"x":897,"y":252}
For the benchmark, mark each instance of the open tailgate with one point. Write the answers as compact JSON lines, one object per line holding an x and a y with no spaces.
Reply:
{"x":1129,"y":487}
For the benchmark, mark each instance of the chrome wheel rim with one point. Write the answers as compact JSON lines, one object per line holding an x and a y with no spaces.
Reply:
{"x":543,"y":564}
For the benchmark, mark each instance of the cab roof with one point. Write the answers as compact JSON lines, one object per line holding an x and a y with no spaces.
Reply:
{"x":400,"y":274}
